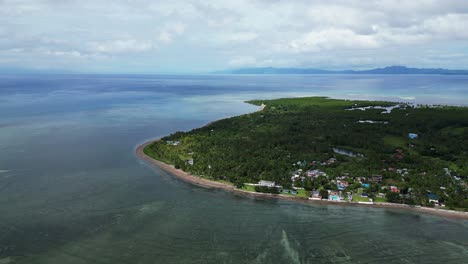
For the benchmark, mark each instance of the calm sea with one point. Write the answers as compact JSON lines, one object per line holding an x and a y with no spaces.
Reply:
{"x":72,"y":190}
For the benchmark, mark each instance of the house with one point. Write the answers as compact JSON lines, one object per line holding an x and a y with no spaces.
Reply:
{"x":359,"y":179}
{"x":413,"y":135}
{"x":433,"y":198}
{"x":394,"y":189}
{"x":295,"y":177}
{"x":316,"y":195}
{"x":266,"y":183}
{"x":315,"y":173}
{"x":364,"y":195}
{"x":342,"y":185}
{"x":376,"y":178}
{"x":333,"y":196}
{"x":190,"y":162}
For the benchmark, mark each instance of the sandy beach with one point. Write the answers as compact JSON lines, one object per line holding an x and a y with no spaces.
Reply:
{"x":196,"y":180}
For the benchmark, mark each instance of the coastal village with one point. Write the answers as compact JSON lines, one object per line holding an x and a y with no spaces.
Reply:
{"x":345,"y":188}
{"x":341,"y":188}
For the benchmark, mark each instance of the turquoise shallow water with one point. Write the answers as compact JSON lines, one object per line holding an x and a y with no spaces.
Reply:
{"x":72,"y":190}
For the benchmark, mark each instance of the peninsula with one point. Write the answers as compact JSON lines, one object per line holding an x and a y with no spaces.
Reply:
{"x":328,"y":150}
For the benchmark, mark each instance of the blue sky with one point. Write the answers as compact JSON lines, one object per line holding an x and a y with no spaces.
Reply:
{"x":143,"y":36}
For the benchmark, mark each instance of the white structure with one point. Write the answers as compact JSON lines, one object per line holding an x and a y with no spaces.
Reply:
{"x":266,"y":183}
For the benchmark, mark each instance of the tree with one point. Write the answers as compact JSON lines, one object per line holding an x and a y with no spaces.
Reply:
{"x":324,"y":193}
{"x":393,"y":197}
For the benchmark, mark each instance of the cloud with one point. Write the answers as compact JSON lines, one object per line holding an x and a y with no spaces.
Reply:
{"x":121,"y":46}
{"x":170,"y":31}
{"x":333,"y":39}
{"x":450,"y":26}
{"x":72,"y":53}
{"x":242,"y":61}
{"x":216,"y":34}
{"x":352,"y":18}
{"x":237,"y":37}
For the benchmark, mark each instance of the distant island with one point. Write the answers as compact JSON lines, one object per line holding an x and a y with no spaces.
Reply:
{"x":386,"y":70}
{"x":341,"y":151}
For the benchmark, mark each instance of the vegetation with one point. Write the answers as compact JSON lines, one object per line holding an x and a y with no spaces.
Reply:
{"x":294,"y":136}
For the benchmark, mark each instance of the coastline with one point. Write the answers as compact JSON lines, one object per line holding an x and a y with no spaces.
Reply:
{"x":196,"y":180}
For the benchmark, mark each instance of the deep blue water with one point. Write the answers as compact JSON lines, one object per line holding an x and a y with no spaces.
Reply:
{"x":72,"y":190}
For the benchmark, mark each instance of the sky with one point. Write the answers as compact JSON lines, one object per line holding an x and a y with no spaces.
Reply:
{"x":192,"y":36}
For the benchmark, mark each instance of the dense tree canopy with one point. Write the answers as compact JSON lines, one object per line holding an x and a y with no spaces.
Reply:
{"x":301,"y":133}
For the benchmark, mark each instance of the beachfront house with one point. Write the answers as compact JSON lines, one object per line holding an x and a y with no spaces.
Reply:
{"x":266,"y":183}
{"x":316,"y":195}
{"x":433,"y":198}
{"x":333,"y":196}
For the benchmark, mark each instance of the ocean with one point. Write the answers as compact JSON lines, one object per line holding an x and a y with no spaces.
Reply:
{"x":73,"y":191}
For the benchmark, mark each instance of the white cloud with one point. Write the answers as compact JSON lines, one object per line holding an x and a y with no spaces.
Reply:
{"x":450,"y":26}
{"x":121,"y":46}
{"x":216,"y":34}
{"x":335,"y":16}
{"x":238,"y":37}
{"x":170,"y":31}
{"x":165,"y":37}
{"x":72,"y":53}
{"x":242,"y":61}
{"x":332,"y":39}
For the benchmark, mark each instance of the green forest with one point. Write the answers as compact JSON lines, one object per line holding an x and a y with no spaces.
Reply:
{"x":419,"y":150}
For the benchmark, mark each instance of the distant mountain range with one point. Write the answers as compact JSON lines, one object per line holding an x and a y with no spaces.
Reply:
{"x":386,"y":70}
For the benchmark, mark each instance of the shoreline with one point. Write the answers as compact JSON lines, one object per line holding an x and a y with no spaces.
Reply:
{"x":201,"y":182}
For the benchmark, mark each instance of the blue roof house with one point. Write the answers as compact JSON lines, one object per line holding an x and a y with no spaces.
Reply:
{"x":412,"y":135}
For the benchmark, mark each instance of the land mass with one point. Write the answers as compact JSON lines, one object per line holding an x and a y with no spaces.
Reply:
{"x":348,"y":152}
{"x":385,"y":70}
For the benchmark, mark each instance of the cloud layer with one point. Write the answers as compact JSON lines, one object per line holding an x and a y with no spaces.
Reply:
{"x":199,"y":36}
